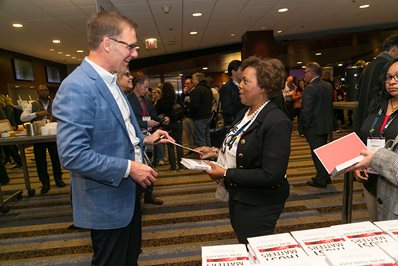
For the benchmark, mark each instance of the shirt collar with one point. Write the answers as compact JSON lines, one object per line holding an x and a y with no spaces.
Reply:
{"x":109,"y":78}
{"x":235,"y":82}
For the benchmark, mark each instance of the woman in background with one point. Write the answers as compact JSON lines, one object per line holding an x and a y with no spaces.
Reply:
{"x":165,"y":106}
{"x":379,"y":127}
{"x":253,"y":159}
{"x":296,"y":96}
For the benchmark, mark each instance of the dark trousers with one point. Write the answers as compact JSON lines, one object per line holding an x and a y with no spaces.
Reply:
{"x":39,"y":151}
{"x":176,"y":134}
{"x":12,"y":151}
{"x":4,"y":179}
{"x":250,"y":220}
{"x":315,"y":141}
{"x":120,"y":246}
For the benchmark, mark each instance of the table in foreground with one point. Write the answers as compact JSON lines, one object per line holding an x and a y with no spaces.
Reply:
{"x":22,"y":142}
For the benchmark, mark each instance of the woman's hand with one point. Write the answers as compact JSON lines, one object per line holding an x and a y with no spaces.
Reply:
{"x":216,"y":172}
{"x":361,"y":175}
{"x":207,"y":152}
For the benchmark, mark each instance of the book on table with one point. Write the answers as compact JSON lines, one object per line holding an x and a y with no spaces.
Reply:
{"x":360,"y":257}
{"x":316,"y":242}
{"x":225,"y":255}
{"x":275,"y":247}
{"x":341,"y":153}
{"x":390,"y":227}
{"x":363,"y":234}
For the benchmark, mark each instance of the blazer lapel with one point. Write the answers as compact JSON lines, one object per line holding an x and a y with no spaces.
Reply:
{"x":260,"y":117}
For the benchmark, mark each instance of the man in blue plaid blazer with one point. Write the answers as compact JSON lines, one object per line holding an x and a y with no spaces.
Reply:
{"x":100,"y":142}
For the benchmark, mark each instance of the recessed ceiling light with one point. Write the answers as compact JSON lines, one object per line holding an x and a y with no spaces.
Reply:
{"x":197,"y":14}
{"x":303,"y":67}
{"x":52,"y":49}
{"x":364,"y":6}
{"x":193,"y":32}
{"x":299,"y":62}
{"x":56,"y":41}
{"x":282,"y":10}
{"x":279,"y":31}
{"x":73,"y":57}
{"x":181,"y":74}
{"x":60,"y":52}
{"x":232,"y":35}
{"x":204,"y":68}
{"x":79,"y":51}
{"x":17,"y":25}
{"x":226,"y":71}
{"x":16,"y":86}
{"x":263,"y":27}
{"x":318,"y":54}
{"x":340,"y":64}
{"x":67,"y":55}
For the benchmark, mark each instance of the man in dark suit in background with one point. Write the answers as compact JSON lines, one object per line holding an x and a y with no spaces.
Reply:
{"x":229,"y":94}
{"x":147,"y":119}
{"x":368,"y":82}
{"x":316,"y":118}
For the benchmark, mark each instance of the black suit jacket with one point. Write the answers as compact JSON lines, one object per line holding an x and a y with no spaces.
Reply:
{"x":262,"y":157}
{"x":230,"y":101}
{"x":135,"y":105}
{"x":317,"y":107}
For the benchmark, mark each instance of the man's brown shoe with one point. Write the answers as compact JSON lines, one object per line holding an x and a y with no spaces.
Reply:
{"x":153,"y":200}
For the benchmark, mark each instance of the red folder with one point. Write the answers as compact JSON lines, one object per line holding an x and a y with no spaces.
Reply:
{"x":341,"y":153}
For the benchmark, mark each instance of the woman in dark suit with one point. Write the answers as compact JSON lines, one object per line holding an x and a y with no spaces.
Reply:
{"x":253,"y":159}
{"x":165,"y":106}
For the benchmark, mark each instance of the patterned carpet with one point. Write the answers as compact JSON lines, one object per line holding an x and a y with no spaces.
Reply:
{"x":35,"y":230}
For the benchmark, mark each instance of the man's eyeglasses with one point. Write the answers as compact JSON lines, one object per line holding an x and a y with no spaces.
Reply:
{"x":390,"y":77}
{"x":130,"y":46}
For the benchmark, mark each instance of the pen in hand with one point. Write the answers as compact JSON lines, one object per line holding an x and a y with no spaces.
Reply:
{"x":161,"y":137}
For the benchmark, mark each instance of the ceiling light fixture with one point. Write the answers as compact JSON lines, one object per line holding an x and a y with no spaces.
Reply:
{"x":364,"y":6}
{"x":279,"y":31}
{"x":340,"y":65}
{"x":232,"y":35}
{"x":204,"y":68}
{"x":60,"y":52}
{"x":318,"y":54}
{"x":79,"y":51}
{"x":197,"y":14}
{"x":56,"y":41}
{"x":166,"y":9}
{"x":193,"y":32}
{"x":299,"y":62}
{"x":283,"y":10}
{"x":52,"y":49}
{"x":17,"y":25}
{"x":67,"y":55}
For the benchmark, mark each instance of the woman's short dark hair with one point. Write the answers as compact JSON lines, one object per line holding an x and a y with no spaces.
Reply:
{"x":270,"y":74}
{"x":168,"y":91}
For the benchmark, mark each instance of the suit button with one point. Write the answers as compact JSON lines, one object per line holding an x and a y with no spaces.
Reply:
{"x":242,"y":141}
{"x":240,"y":155}
{"x":379,"y":201}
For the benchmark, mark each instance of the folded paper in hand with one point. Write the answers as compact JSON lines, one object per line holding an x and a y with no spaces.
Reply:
{"x":341,"y":153}
{"x":195,"y":164}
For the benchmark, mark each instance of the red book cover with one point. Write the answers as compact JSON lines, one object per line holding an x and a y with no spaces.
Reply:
{"x":341,"y":153}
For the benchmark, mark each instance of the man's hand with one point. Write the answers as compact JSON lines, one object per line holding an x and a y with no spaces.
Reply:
{"x":166,"y":120}
{"x":165,"y":137}
{"x":41,"y":114}
{"x":142,"y":174}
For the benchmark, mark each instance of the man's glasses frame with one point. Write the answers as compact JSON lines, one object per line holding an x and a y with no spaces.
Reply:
{"x":130,"y":46}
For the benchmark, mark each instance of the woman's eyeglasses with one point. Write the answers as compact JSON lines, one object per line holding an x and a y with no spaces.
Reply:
{"x":390,"y":77}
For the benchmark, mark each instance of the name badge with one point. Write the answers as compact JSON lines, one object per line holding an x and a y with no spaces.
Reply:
{"x":375,"y":144}
{"x":146,"y":118}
